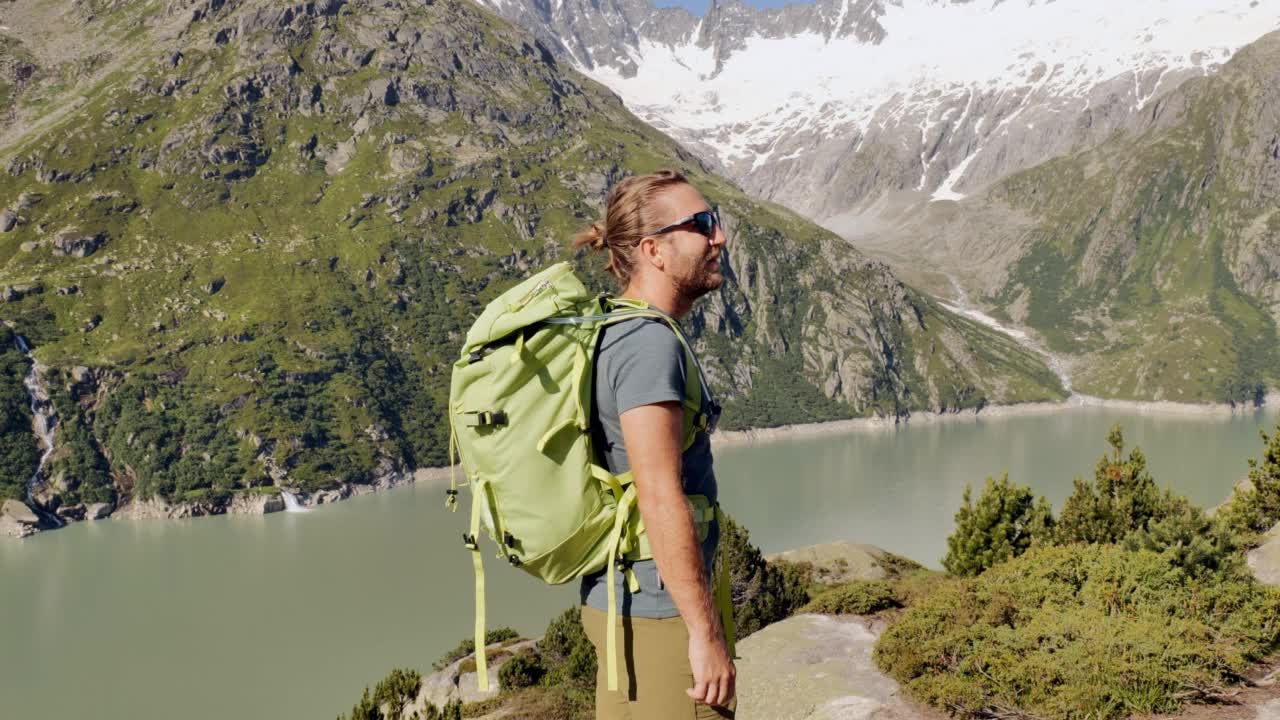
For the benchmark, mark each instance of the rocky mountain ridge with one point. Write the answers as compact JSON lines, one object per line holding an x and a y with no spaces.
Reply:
{"x":1153,"y":261}
{"x":260,"y":232}
{"x":883,"y":104}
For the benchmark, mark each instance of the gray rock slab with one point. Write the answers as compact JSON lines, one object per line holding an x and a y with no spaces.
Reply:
{"x":1264,"y":560}
{"x":77,"y":244}
{"x":843,"y":561}
{"x":14,"y":529}
{"x":1269,"y":711}
{"x":817,"y":667}
{"x":19,"y":512}
{"x":8,"y":219}
{"x":98,"y":511}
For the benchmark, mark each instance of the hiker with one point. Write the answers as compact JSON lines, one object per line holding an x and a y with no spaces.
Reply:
{"x":663,"y":243}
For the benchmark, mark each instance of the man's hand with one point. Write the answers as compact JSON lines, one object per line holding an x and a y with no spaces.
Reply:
{"x":713,"y":672}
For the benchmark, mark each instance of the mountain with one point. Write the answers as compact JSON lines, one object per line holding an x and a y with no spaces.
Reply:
{"x":1154,"y":258}
{"x":852,"y":112}
{"x":244,"y":240}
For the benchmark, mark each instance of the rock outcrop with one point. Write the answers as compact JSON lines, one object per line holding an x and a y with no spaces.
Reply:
{"x":247,"y":504}
{"x":841,"y":562}
{"x":459,"y":680}
{"x":18,"y":520}
{"x":76,"y":244}
{"x":98,"y":511}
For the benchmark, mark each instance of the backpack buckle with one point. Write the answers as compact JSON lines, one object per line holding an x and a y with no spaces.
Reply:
{"x":482,"y":418}
{"x":469,"y":541}
{"x":713,"y":417}
{"x":515,"y":561}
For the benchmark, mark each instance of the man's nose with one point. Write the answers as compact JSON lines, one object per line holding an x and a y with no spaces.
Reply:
{"x":719,"y":238}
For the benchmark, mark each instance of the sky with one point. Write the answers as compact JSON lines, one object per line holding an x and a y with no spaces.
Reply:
{"x":699,"y":7}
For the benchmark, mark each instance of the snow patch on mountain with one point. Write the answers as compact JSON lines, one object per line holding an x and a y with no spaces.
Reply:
{"x":771,"y":88}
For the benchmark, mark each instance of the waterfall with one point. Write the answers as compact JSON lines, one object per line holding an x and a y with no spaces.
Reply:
{"x":44,"y":423}
{"x":291,"y":503}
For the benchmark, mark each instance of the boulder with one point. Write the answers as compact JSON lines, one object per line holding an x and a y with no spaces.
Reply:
{"x":80,"y":375}
{"x":254,"y":504}
{"x":1264,"y":560}
{"x":8,"y":219}
{"x":76,"y":244}
{"x":459,"y":681}
{"x":841,"y":562}
{"x":816,"y":667}
{"x":14,"y":529}
{"x":10,"y":293}
{"x":324,"y":497}
{"x":19,"y":512}
{"x":98,"y":511}
{"x":72,"y":512}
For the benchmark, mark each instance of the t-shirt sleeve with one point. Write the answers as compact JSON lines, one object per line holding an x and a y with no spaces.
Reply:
{"x":646,"y":366}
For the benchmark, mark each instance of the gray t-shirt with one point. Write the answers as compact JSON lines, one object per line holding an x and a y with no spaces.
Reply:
{"x":641,"y":362}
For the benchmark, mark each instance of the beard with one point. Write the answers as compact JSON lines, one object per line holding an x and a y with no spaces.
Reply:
{"x":698,"y":277}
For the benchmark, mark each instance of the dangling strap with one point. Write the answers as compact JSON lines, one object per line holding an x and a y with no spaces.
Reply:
{"x":451,"y":495}
{"x":625,"y":502}
{"x":473,"y":543}
{"x":724,"y":596}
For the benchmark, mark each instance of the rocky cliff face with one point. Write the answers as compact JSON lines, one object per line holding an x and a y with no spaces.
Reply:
{"x":262,"y":229}
{"x":1154,"y":259}
{"x":884,"y":104}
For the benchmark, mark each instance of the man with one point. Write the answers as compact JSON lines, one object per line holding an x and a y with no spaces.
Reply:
{"x":664,"y":243}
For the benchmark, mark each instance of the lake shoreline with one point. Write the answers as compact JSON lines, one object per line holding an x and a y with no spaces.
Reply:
{"x":757,"y":436}
{"x":256,"y":503}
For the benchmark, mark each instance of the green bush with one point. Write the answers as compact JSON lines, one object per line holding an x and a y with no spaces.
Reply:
{"x":861,"y":597}
{"x":395,"y":692}
{"x":1122,"y":498}
{"x":523,"y":670}
{"x":1187,"y":538}
{"x":1081,"y":631}
{"x":763,"y":592}
{"x":1004,"y":522}
{"x":1256,"y":509}
{"x":567,"y":653}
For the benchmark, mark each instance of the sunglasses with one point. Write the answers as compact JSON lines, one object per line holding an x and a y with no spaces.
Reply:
{"x":704,"y":223}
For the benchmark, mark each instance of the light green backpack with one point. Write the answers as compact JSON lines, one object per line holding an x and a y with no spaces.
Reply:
{"x":520,"y":423}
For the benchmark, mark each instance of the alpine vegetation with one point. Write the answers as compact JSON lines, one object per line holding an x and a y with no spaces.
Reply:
{"x":1133,"y":602}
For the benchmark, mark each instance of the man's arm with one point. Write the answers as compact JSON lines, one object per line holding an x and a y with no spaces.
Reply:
{"x":652,"y":436}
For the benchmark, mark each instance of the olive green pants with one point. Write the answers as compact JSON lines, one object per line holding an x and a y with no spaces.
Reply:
{"x":653,"y":670}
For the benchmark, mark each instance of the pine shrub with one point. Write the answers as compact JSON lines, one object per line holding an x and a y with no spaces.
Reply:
{"x":1004,"y":523}
{"x":1081,"y":631}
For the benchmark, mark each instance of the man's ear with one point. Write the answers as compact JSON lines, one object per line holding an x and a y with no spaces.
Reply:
{"x":651,"y":252}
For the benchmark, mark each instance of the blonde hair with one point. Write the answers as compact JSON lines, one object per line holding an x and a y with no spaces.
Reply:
{"x":627,"y":218}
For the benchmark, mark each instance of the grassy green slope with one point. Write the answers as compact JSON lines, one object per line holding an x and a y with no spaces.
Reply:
{"x":297,"y":217}
{"x":1156,"y":254}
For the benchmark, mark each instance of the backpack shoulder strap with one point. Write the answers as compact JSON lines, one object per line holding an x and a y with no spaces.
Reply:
{"x":696,"y":418}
